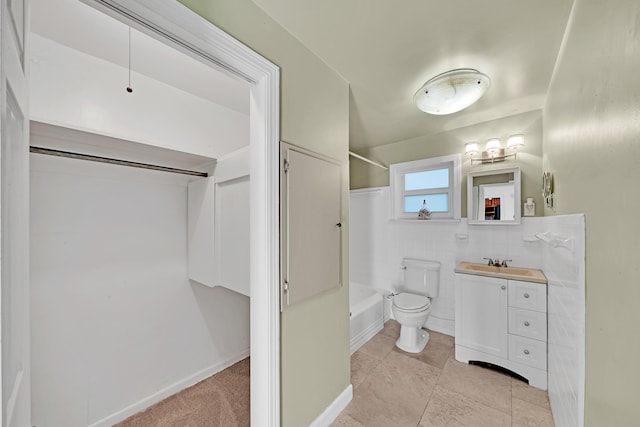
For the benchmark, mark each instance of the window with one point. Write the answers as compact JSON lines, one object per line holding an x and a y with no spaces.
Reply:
{"x":434,"y":181}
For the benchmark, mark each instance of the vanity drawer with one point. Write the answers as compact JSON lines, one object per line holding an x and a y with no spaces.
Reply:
{"x":528,"y":323}
{"x":527,"y":295}
{"x":528,"y":352}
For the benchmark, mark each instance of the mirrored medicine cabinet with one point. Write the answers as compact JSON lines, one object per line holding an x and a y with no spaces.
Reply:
{"x":493,"y":196}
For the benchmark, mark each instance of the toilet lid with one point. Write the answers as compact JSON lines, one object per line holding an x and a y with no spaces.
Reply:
{"x":406,"y":301}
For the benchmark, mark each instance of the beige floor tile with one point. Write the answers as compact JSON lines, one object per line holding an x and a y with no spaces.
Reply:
{"x":361,"y":366}
{"x":436,"y":352}
{"x":483,"y":385}
{"x":345,"y":420}
{"x":391,"y":329}
{"x":391,"y":387}
{"x":370,"y":409}
{"x":523,"y":391}
{"x":447,"y":408}
{"x":379,"y":346}
{"x":444,"y":339}
{"x":452,"y":355}
{"x":395,"y":394}
{"x":527,"y":414}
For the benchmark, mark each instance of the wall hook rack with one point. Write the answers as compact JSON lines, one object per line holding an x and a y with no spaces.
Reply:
{"x":555,"y":240}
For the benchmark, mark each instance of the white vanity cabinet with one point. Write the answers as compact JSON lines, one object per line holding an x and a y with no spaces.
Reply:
{"x":481,"y":314}
{"x":502,"y":322}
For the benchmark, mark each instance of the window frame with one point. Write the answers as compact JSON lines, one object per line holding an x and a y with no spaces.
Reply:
{"x":397,"y":172}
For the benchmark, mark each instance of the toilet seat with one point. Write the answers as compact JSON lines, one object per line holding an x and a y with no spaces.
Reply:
{"x":411,"y":302}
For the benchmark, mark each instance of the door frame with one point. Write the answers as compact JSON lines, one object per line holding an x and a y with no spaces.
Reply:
{"x":175,"y":25}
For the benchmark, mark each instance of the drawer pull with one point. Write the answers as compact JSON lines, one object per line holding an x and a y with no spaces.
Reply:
{"x":526,"y":323}
{"x":503,"y":287}
{"x":526,"y":352}
{"x":526,"y":295}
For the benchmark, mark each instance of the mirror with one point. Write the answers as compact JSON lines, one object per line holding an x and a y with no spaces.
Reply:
{"x":493,"y":196}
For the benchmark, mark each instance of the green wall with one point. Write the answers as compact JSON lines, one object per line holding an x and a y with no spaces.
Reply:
{"x":592,"y":146}
{"x":529,"y":157}
{"x":315,"y":334}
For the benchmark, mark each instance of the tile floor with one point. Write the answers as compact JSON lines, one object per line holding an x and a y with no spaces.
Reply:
{"x":431,"y":389}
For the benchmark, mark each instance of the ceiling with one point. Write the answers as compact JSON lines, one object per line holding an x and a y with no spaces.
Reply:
{"x":83,"y":28}
{"x":387,"y":50}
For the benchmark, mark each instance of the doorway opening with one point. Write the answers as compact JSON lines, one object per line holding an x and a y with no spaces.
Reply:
{"x":110,"y":132}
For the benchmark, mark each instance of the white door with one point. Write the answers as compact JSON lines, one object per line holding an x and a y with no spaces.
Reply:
{"x":14,"y":215}
{"x":481,"y":314}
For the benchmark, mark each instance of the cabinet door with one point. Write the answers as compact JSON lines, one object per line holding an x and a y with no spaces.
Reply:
{"x":481,"y":314}
{"x":311,"y":224}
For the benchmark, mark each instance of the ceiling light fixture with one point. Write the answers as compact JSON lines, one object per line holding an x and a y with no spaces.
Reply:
{"x":452,"y":91}
{"x":493,"y":151}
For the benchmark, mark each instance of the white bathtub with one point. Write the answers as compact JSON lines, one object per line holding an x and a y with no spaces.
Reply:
{"x":366,"y":311}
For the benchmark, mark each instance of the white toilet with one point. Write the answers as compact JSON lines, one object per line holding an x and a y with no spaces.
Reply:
{"x":412,"y":305}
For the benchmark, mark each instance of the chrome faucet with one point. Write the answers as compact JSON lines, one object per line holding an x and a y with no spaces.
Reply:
{"x":496,"y":262}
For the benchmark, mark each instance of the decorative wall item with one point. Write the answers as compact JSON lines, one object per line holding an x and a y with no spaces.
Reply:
{"x":424,"y":213}
{"x":547,"y":189}
{"x":529,"y":207}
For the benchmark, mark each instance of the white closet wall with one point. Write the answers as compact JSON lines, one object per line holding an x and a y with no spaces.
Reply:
{"x":72,"y":89}
{"x":115,"y":320}
{"x":116,"y":323}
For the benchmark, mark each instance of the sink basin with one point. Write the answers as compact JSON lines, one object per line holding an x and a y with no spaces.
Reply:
{"x":513,"y":273}
{"x":500,"y":270}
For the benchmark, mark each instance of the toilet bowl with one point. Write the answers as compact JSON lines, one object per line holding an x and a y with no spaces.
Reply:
{"x":411,"y":306}
{"x":411,"y":311}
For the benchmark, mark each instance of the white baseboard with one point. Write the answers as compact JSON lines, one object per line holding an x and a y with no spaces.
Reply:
{"x":331,"y":413}
{"x":443,"y":326}
{"x":364,"y":336}
{"x":143,"y":404}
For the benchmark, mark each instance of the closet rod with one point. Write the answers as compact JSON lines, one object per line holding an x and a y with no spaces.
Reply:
{"x":59,"y":153}
{"x":371,"y":162}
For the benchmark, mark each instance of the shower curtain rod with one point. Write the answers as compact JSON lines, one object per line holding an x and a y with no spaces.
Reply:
{"x":371,"y":162}
{"x":59,"y":153}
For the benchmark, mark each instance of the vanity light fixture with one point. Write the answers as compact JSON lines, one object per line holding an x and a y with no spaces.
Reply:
{"x":493,"y":151}
{"x":493,"y":147}
{"x":451,"y":91}
{"x":515,"y":141}
{"x":471,"y":148}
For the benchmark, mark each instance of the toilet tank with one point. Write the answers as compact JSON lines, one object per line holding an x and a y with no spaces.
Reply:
{"x":421,"y":276}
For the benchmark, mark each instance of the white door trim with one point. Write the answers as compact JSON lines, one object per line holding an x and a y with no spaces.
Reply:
{"x":15,"y":372}
{"x":176,"y":25}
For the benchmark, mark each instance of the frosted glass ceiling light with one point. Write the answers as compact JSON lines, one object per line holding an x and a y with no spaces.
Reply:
{"x":452,"y":91}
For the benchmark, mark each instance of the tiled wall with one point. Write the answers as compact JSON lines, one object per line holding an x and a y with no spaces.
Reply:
{"x":378,"y":245}
{"x":564,"y":266}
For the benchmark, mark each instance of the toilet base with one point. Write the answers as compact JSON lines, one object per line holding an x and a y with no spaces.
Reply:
{"x":412,"y":339}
